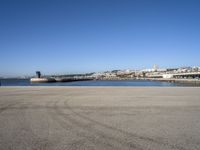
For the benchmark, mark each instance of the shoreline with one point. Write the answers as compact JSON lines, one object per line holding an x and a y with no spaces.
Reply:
{"x":174,"y":80}
{"x":178,"y":82}
{"x":99,"y":87}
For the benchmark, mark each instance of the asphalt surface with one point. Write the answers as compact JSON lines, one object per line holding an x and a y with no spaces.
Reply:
{"x":99,"y":118}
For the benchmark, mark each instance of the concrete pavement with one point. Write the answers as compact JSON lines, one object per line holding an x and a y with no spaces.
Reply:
{"x":99,"y":118}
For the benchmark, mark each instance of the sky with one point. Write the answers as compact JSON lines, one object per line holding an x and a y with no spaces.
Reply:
{"x":79,"y":36}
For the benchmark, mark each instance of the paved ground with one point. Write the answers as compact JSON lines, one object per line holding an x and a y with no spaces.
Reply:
{"x":99,"y":118}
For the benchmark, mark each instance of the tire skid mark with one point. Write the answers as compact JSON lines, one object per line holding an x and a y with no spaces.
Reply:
{"x":68,"y":123}
{"x":128,"y":134}
{"x":35,"y":141}
{"x":25,"y":128}
{"x":100,"y":134}
{"x":40,"y":143}
{"x":8,"y":106}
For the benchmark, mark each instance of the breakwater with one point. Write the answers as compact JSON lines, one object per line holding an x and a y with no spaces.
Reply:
{"x":67,"y":79}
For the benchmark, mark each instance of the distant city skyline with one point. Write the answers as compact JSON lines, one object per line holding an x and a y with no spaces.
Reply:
{"x":62,"y":37}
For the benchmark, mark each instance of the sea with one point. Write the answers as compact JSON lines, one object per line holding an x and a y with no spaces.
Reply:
{"x":26,"y":82}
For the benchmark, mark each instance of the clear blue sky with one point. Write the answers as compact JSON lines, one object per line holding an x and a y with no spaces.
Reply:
{"x":76,"y":36}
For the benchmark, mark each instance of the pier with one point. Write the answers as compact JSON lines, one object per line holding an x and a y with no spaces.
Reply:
{"x":67,"y":79}
{"x":39,"y":79}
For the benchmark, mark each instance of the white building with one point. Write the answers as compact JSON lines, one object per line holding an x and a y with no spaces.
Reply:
{"x":167,"y":76}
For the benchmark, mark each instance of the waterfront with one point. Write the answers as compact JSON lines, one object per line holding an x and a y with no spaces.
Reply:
{"x":100,"y":118}
{"x":26,"y":82}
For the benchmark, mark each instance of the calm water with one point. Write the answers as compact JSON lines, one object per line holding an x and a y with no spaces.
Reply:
{"x":26,"y":82}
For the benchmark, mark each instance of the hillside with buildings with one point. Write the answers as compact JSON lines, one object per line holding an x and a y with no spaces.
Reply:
{"x":154,"y":72}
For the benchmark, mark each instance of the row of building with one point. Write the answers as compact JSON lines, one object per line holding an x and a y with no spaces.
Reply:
{"x":154,"y":72}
